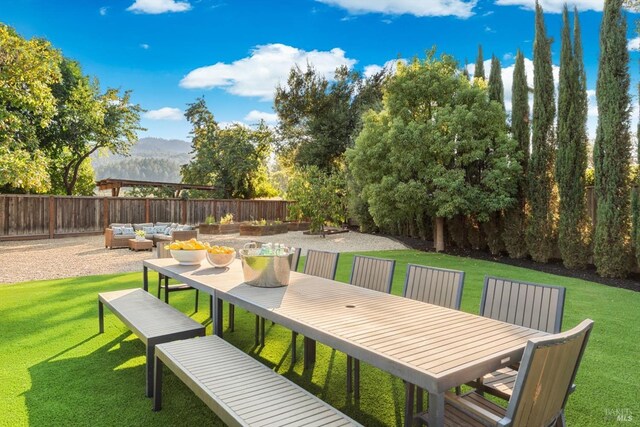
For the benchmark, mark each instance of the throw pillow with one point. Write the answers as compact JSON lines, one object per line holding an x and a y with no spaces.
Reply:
{"x":128,"y":231}
{"x":168,"y":231}
{"x":149,"y":230}
{"x":159,"y":229}
{"x":117,"y":231}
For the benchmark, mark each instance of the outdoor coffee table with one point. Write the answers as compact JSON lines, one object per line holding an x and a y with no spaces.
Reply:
{"x":140,"y":245}
{"x":433,"y":347}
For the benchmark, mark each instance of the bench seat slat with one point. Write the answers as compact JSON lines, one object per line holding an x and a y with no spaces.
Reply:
{"x":241,"y":390}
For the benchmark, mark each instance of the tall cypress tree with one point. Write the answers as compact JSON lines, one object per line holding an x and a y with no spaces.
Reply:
{"x":636,"y":197}
{"x":611,"y":153}
{"x":479,"y":70}
{"x":542,"y":200}
{"x":514,"y":218}
{"x":571,"y":162}
{"x":496,"y":88}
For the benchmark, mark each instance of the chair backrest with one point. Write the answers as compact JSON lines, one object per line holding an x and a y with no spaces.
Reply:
{"x":295,"y":259}
{"x":546,"y":375}
{"x":372,"y":273}
{"x":437,"y":286}
{"x":321,"y":263}
{"x":525,"y":304}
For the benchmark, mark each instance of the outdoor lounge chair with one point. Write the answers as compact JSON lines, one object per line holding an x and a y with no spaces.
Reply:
{"x":544,"y":382}
{"x":520,"y":303}
{"x":375,"y":274}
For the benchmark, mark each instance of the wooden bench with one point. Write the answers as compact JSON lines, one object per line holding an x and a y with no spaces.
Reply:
{"x":238,"y":388}
{"x":150,"y":319}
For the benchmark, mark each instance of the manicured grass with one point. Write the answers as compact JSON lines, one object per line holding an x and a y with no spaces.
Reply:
{"x":56,"y":369}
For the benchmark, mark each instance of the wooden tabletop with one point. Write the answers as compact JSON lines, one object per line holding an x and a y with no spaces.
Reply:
{"x":433,"y":347}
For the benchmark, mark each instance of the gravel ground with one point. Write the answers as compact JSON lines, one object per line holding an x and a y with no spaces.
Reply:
{"x":84,"y":256}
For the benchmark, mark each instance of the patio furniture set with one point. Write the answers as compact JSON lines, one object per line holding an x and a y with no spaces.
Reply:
{"x":123,"y":235}
{"x":513,"y":349}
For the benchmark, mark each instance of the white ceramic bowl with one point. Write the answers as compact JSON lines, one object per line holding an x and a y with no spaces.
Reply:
{"x":221,"y":260}
{"x":188,"y":257}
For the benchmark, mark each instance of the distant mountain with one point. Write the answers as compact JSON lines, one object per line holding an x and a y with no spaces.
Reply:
{"x":152,"y":146}
{"x":151,"y":159}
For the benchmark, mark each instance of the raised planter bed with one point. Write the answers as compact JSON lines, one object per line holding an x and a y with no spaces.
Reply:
{"x":219,"y":228}
{"x":263,"y":230}
{"x":298,"y":226}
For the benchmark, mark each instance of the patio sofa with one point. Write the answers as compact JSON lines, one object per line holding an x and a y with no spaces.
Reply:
{"x":118,"y":234}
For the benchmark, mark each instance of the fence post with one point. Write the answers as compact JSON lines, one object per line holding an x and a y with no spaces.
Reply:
{"x":147,"y":208}
{"x":183,"y":208}
{"x":52,"y":216}
{"x":239,"y":208}
{"x":105,"y":213}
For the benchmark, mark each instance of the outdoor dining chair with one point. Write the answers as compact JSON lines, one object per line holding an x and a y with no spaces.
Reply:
{"x":295,"y":260}
{"x":375,"y":274}
{"x":320,"y":264}
{"x":542,"y":388}
{"x":436,"y":286}
{"x":164,"y":284}
{"x":531,"y":305}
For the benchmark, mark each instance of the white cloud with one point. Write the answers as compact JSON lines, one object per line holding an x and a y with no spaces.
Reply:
{"x":255,"y":116}
{"x":507,"y":56}
{"x":634,"y":44}
{"x":159,"y":6}
{"x":165,"y":113}
{"x":457,"y":8}
{"x":144,"y":46}
{"x":265,"y":68}
{"x":103,"y":10}
{"x":391,"y":65}
{"x":554,"y":6}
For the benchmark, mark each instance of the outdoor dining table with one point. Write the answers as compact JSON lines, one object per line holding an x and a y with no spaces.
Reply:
{"x":433,"y":347}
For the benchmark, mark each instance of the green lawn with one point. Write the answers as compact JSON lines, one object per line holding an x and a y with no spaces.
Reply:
{"x":56,"y":370}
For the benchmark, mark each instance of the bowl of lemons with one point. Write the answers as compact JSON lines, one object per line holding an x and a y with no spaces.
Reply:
{"x":220,"y":256}
{"x":189,"y":252}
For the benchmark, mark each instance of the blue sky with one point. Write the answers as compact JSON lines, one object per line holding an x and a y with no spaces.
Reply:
{"x":234,"y":52}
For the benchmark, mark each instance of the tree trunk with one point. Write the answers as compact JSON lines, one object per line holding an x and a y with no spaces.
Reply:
{"x":439,"y":234}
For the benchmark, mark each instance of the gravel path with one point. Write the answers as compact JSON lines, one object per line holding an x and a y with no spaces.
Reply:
{"x":84,"y":256}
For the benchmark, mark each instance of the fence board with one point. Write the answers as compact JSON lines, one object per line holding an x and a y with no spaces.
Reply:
{"x":35,"y":216}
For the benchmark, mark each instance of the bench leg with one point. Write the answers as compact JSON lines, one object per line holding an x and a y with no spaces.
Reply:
{"x":159,"y":284}
{"x":197,"y":294}
{"x":211,"y":307}
{"x":157,"y":385}
{"x":145,"y":278}
{"x":262,"y":332}
{"x":166,"y":289}
{"x":150,"y":359}
{"x":218,"y":317}
{"x":101,"y":316}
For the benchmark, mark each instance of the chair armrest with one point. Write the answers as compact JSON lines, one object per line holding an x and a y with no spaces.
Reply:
{"x":108,"y":237}
{"x":484,"y":416}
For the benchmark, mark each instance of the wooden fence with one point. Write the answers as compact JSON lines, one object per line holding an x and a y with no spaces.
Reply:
{"x":46,"y":217}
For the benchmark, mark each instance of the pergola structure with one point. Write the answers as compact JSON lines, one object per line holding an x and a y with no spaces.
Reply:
{"x":116,"y":184}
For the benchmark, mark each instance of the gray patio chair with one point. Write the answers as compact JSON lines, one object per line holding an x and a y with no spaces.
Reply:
{"x":321,"y":264}
{"x":259,"y":329}
{"x":547,"y":372}
{"x":375,"y":274}
{"x":436,"y":286}
{"x":525,"y":304}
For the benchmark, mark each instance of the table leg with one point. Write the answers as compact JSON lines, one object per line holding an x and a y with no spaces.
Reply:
{"x":408,"y":404}
{"x":145,"y":278}
{"x":309,"y":352}
{"x":436,"y":409}
{"x":217,"y":316}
